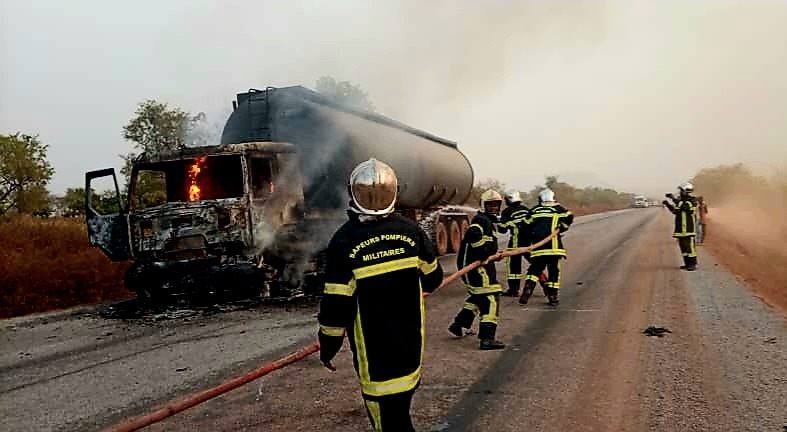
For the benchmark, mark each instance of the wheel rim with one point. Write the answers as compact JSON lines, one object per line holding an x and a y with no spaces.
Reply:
{"x":456,"y":236}
{"x":442,"y":239}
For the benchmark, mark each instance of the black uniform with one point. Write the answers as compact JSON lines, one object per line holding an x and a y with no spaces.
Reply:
{"x":513,"y":219}
{"x":376,"y":275}
{"x":478,"y":244}
{"x":685,"y":211}
{"x":543,"y":220}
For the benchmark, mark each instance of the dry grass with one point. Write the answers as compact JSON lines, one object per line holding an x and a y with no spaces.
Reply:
{"x":47,"y":265}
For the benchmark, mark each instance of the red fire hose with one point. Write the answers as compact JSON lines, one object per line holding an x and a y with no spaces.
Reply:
{"x":175,"y":407}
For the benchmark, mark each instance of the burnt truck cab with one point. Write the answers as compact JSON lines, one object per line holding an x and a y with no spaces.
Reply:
{"x":205,"y":218}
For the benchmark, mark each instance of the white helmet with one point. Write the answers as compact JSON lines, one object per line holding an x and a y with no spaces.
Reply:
{"x":513,"y":197}
{"x":546,"y":195}
{"x":686,"y":187}
{"x":373,"y":188}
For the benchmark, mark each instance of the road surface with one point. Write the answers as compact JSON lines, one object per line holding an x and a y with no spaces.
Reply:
{"x":584,"y":366}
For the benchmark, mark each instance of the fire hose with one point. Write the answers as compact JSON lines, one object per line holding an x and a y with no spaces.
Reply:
{"x":175,"y":407}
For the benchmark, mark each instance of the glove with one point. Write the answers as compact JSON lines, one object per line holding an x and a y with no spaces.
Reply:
{"x":665,"y":202}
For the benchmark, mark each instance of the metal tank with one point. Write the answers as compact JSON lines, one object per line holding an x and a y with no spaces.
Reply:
{"x":332,"y":138}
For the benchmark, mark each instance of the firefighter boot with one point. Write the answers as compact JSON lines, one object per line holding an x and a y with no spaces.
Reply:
{"x":486,"y":332}
{"x":552,"y":297}
{"x":456,"y":330}
{"x":527,"y":292}
{"x":542,"y":280}
{"x":513,"y":288}
{"x":691,"y":264}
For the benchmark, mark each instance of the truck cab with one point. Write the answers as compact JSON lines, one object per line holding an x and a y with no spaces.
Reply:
{"x":198,"y":213}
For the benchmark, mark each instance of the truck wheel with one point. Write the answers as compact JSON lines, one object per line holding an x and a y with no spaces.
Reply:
{"x":463,"y":226}
{"x":441,"y":239}
{"x":456,"y":236}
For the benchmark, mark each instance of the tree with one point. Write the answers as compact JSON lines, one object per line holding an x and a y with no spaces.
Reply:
{"x":158,"y":128}
{"x":24,"y":173}
{"x":345,"y":92}
{"x":475,"y":194}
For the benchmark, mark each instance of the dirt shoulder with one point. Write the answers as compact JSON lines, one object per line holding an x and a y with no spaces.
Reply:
{"x":750,"y":244}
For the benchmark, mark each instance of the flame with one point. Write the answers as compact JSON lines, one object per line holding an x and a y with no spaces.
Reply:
{"x":194,"y":170}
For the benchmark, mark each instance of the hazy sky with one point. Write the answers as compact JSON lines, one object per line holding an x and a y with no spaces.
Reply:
{"x":632,"y":94}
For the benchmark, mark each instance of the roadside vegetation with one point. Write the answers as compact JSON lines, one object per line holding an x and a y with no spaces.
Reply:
{"x":46,"y":264}
{"x":581,"y":201}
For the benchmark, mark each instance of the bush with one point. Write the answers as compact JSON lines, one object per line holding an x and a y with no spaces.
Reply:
{"x":48,"y":264}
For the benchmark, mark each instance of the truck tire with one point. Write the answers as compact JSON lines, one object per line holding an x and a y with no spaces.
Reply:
{"x":441,"y":238}
{"x":456,"y":236}
{"x":463,"y":226}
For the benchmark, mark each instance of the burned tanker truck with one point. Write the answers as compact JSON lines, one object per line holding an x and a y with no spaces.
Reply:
{"x":256,"y":211}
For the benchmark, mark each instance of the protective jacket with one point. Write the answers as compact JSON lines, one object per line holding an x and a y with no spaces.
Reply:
{"x":685,"y":211}
{"x":542,"y":220}
{"x":478,"y":244}
{"x":514,"y":219}
{"x":376,"y":273}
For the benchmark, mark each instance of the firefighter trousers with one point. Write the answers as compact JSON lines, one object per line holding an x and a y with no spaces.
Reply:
{"x":514,"y":272}
{"x":688,"y":248}
{"x":485,"y":305}
{"x":550,"y":263}
{"x":390,"y":413}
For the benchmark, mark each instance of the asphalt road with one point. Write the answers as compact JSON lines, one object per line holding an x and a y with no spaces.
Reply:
{"x":584,"y":366}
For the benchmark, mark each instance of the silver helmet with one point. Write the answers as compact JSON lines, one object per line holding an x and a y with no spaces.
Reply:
{"x":546,"y":195}
{"x":373,"y":188}
{"x":686,"y":187}
{"x":513,"y":197}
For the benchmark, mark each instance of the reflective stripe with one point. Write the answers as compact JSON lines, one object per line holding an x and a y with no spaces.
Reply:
{"x":514,"y":276}
{"x":483,"y":241}
{"x":532,"y":278}
{"x":554,"y":252}
{"x":360,"y":348}
{"x":386,"y":267}
{"x":426,"y":267}
{"x":484,"y":289}
{"x":332,"y":331}
{"x":339,"y":289}
{"x":471,"y":307}
{"x":374,"y":413}
{"x":491,"y":317}
{"x":392,"y":386}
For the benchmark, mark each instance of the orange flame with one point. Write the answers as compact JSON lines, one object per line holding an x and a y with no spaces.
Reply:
{"x":194,"y":170}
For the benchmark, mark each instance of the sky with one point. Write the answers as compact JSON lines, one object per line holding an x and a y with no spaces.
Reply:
{"x":636,"y":95}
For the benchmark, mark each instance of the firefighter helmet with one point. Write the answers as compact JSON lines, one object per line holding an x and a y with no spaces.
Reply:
{"x":686,"y":187}
{"x":373,"y":188}
{"x":490,"y":198}
{"x":546,"y":195}
{"x":513,"y":197}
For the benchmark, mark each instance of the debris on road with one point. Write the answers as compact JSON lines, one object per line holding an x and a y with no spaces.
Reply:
{"x":656,"y":331}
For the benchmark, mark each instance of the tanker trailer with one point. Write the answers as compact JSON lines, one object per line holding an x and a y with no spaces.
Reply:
{"x":258,"y":209}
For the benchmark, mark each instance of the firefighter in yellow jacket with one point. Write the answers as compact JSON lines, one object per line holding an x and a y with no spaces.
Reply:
{"x":685,"y":210}
{"x":543,"y":219}
{"x":378,"y":267}
{"x":480,"y":244}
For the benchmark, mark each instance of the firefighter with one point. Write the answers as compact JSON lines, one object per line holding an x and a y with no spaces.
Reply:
{"x":378,"y":267}
{"x":542,"y":220}
{"x":480,"y":244}
{"x":684,"y":208}
{"x":513,"y":219}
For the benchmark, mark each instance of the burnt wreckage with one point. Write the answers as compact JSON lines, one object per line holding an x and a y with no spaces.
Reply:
{"x":256,"y":211}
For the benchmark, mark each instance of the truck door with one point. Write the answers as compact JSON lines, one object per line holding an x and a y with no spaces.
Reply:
{"x":108,"y":232}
